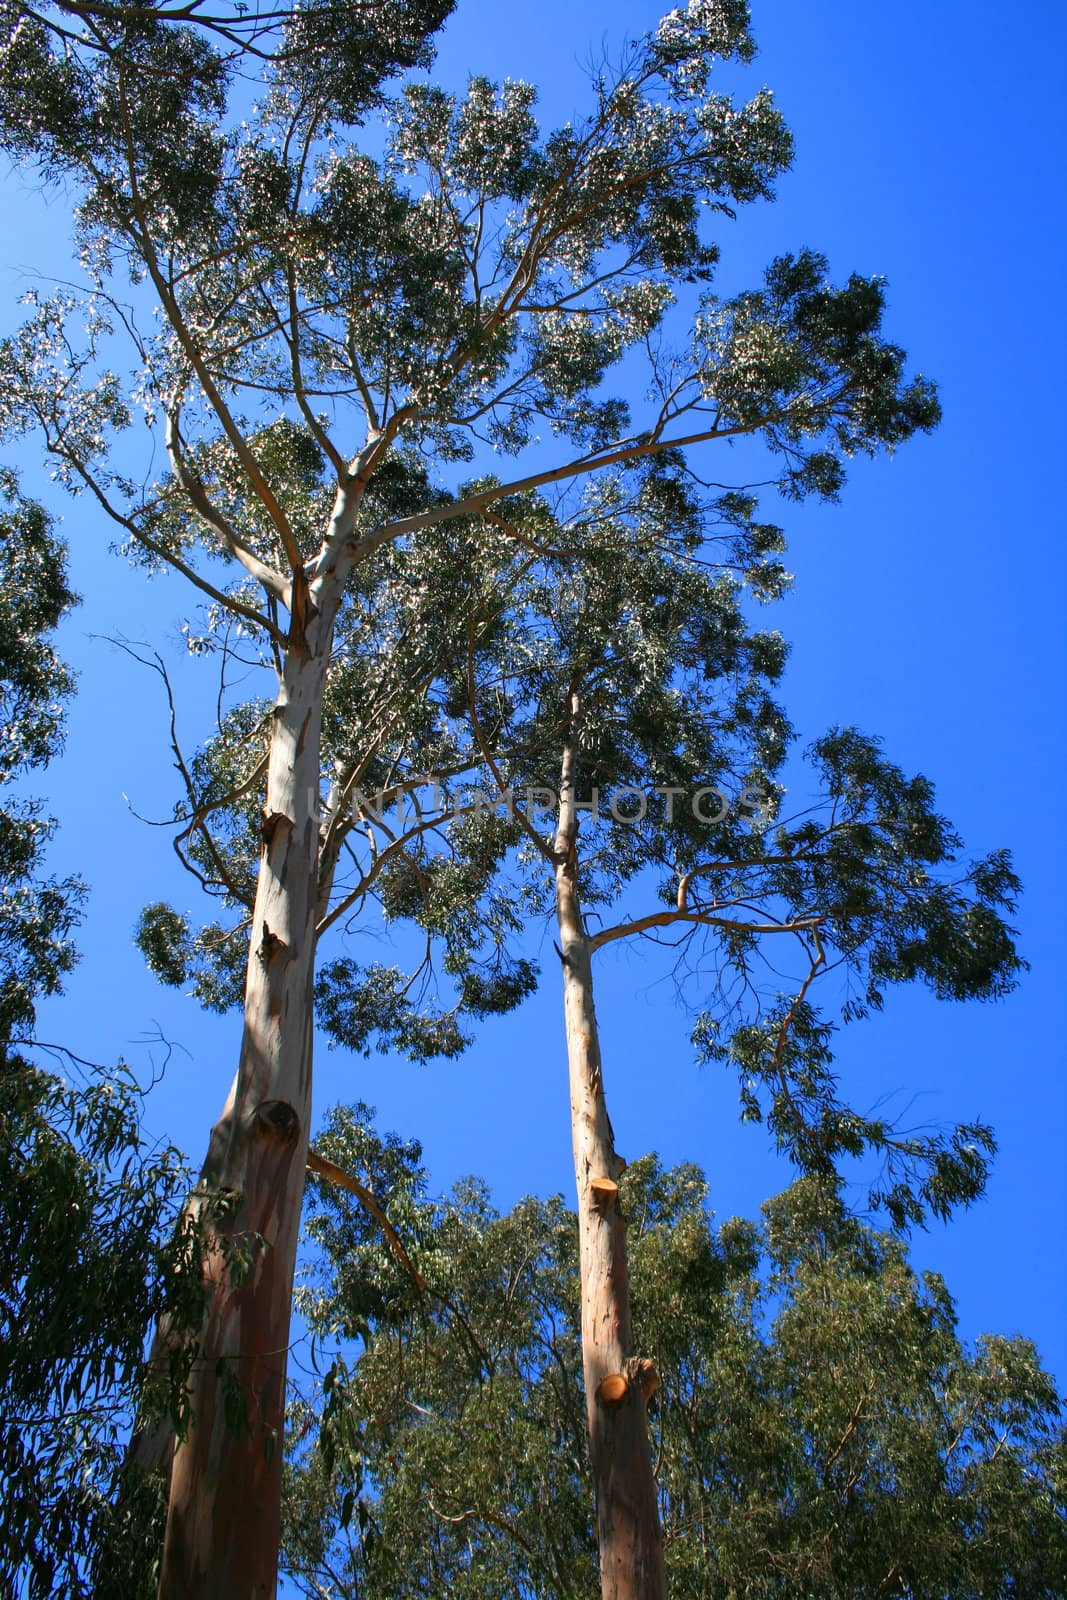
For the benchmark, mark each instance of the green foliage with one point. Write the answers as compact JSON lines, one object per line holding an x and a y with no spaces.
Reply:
{"x":213,"y":959}
{"x":355,"y":1004}
{"x":800,"y":335}
{"x":87,"y":1201}
{"x":37,"y":913}
{"x":65,"y":64}
{"x":87,"y":1205}
{"x":163,"y":939}
{"x":819,"y":1427}
{"x":33,"y":597}
{"x":37,"y":917}
{"x":878,"y":875}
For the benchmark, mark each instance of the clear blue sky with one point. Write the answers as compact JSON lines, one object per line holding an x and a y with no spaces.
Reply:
{"x":928,"y":608}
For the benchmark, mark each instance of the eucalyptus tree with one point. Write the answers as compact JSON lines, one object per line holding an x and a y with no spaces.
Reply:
{"x":328,"y":320}
{"x":820,"y":1427}
{"x":628,"y":687}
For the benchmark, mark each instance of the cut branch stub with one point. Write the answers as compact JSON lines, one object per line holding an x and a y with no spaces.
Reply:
{"x":643,"y":1372}
{"x":613,"y":1388}
{"x":271,"y":822}
{"x":270,"y":946}
{"x":278,"y":1120}
{"x":604,"y":1193}
{"x":638,"y":1373}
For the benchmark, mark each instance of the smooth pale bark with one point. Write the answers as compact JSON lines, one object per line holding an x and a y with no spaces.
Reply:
{"x":223,"y":1521}
{"x":617,"y":1384}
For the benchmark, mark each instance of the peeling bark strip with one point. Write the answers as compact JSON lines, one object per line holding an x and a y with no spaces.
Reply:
{"x":214,"y":1550}
{"x":617,"y":1385}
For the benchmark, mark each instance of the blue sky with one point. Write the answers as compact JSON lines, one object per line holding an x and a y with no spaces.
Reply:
{"x":929,"y":149}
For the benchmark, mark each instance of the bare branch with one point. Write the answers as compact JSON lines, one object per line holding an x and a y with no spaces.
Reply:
{"x":701,"y":919}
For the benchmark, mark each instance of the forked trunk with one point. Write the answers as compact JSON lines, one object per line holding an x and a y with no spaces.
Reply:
{"x":617,"y":1385}
{"x":223,"y":1520}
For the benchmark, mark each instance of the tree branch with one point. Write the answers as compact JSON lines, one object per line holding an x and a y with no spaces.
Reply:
{"x":322,"y":1167}
{"x":191,"y":482}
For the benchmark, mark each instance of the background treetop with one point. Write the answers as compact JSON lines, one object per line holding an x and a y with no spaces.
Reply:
{"x":820,"y":1426}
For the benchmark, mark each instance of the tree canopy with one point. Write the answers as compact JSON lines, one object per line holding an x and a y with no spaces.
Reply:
{"x":819,"y":1427}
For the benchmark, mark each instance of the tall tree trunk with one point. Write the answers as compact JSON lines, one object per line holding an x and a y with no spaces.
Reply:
{"x":617,"y":1385}
{"x":223,"y":1522}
